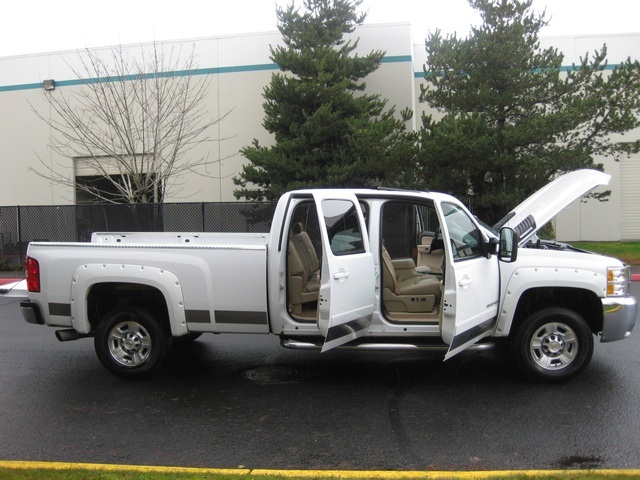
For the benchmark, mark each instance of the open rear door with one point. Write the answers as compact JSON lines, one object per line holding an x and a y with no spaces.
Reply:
{"x":347,"y":279}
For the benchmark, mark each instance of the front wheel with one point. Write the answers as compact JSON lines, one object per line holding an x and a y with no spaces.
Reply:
{"x":553,"y":345}
{"x":130,"y":343}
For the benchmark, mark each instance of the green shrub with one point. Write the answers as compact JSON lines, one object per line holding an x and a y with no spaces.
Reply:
{"x":9,"y":265}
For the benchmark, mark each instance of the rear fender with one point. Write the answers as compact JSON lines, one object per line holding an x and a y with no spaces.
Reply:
{"x":88,"y":275}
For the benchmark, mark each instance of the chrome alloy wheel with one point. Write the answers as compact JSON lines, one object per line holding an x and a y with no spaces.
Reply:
{"x":553,"y":346}
{"x":129,"y":344}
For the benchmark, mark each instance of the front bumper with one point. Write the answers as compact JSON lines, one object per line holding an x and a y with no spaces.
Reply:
{"x":620,"y":315}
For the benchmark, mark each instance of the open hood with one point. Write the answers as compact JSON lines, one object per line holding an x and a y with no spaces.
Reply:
{"x":546,"y":203}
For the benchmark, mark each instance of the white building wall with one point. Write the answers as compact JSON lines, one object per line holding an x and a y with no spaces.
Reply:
{"x":630,"y":198}
{"x":239,"y":69}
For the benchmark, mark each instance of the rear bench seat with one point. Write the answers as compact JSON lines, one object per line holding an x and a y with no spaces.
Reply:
{"x":303,"y":269}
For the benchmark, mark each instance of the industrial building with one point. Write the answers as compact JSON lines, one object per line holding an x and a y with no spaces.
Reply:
{"x":239,"y":68}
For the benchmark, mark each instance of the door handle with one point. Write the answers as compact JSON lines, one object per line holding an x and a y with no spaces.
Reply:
{"x":465,"y":281}
{"x":341,"y":275}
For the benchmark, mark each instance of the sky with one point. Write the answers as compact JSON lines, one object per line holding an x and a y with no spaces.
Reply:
{"x":39,"y":26}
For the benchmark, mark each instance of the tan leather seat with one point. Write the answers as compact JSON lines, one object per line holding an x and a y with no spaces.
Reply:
{"x":429,"y":260}
{"x":410,"y":291}
{"x":303,"y":269}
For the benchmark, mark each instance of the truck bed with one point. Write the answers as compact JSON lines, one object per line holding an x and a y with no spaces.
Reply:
{"x":221,"y":277}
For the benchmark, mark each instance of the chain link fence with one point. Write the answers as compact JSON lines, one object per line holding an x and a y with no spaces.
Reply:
{"x":76,"y":223}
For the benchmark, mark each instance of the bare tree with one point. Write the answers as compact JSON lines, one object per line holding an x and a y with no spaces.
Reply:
{"x":132,"y":123}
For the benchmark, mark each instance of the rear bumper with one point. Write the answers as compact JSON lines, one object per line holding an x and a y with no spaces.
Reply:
{"x":619,"y":318}
{"x":31,"y":312}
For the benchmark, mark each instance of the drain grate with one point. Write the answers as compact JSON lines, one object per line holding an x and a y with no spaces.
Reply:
{"x":273,"y":374}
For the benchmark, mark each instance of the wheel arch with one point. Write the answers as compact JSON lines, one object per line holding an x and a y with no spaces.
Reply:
{"x":104,"y":297}
{"x":99,"y":288}
{"x":584,"y":302}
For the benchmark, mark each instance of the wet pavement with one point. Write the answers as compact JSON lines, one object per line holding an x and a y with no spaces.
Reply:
{"x":242,"y":400}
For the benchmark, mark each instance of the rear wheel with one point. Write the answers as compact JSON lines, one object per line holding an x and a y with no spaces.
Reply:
{"x":131,"y":343}
{"x":553,"y":345}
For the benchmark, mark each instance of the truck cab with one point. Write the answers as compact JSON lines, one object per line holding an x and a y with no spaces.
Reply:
{"x":384,"y":266}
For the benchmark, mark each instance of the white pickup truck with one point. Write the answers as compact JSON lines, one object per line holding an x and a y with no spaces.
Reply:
{"x":366,"y":269}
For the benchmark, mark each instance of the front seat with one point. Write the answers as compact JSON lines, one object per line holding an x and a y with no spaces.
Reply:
{"x":408,"y":293}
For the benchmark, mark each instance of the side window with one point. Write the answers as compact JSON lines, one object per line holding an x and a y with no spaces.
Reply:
{"x":465,"y":236}
{"x":343,"y":227}
{"x":405,"y":225}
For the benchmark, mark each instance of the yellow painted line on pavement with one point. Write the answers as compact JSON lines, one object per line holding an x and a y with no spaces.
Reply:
{"x":119,"y":468}
{"x":347,"y":474}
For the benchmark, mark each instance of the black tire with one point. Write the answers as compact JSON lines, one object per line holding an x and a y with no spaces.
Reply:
{"x":553,"y":345}
{"x":131,"y":343}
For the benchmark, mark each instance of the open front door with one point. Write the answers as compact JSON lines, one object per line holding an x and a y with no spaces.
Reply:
{"x":471,"y":287}
{"x":347,"y":279}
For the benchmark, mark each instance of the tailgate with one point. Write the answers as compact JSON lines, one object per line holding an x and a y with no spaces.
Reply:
{"x":12,"y":288}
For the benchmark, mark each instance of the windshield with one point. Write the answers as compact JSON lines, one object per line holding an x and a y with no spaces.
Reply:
{"x":490,"y":231}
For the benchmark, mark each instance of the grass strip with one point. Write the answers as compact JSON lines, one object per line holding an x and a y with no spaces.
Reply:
{"x":60,"y":471}
{"x":628,"y":252}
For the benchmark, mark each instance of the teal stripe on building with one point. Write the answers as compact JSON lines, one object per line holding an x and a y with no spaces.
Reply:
{"x":179,"y":73}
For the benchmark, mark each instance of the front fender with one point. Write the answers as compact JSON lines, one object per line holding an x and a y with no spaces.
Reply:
{"x":88,"y":275}
{"x":528,"y":278}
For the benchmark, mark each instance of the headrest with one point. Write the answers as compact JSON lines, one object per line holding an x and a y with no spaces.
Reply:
{"x":297,"y":228}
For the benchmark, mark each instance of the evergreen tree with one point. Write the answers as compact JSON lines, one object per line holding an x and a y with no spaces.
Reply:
{"x":513,"y":117}
{"x":327,"y":132}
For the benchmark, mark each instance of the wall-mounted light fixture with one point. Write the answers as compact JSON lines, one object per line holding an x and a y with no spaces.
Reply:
{"x":49,"y":85}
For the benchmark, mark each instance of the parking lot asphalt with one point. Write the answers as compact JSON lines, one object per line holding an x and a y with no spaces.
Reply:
{"x":242,"y":401}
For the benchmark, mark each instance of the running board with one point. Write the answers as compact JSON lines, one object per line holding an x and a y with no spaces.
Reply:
{"x":312,"y":344}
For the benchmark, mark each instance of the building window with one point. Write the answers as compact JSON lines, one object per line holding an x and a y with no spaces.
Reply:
{"x":99,"y":180}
